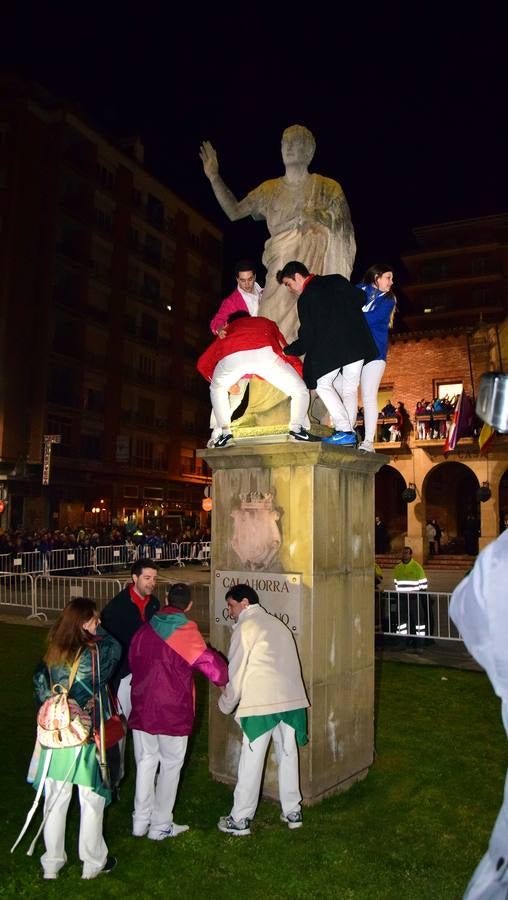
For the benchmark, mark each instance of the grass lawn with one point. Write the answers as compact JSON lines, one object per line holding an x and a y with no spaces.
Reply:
{"x":415,"y":828}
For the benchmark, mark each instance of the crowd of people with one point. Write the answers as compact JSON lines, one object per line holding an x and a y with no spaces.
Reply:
{"x":146,"y":656}
{"x":393,"y":423}
{"x":434,"y":417}
{"x":17,"y":541}
{"x":350,"y":351}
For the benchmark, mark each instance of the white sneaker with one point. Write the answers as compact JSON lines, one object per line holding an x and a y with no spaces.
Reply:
{"x":367,"y":447}
{"x":230,"y":826}
{"x":293,"y":819}
{"x":216,"y":433}
{"x":159,"y":834}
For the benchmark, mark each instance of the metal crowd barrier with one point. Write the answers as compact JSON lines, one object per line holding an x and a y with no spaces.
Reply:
{"x":60,"y":560}
{"x":82,"y":558}
{"x":179,"y":554}
{"x":203,"y":553}
{"x":52,"y":594}
{"x":26,"y":563}
{"x":17,"y":592}
{"x":418,"y":614}
{"x":103,"y":559}
{"x":161,"y":553}
{"x":415,"y":614}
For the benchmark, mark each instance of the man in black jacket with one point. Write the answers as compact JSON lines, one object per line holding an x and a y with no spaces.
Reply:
{"x":122,"y":616}
{"x":336,"y":341}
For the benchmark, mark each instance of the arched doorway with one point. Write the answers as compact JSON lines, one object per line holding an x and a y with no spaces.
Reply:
{"x":503,"y":501}
{"x":390,"y":507}
{"x":450,"y":497}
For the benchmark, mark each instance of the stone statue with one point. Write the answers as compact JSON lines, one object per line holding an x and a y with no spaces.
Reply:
{"x":307,"y":216}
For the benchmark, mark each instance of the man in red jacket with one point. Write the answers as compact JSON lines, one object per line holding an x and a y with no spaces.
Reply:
{"x":253,"y":346}
{"x":163,"y":656}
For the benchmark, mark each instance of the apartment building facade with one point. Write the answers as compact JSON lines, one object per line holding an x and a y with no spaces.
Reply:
{"x":107,"y":283}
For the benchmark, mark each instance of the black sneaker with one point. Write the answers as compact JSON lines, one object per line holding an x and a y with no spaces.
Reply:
{"x":225,"y":440}
{"x":303,"y":435}
{"x":108,"y":867}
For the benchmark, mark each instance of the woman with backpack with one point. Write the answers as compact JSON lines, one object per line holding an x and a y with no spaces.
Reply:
{"x":80,"y":651}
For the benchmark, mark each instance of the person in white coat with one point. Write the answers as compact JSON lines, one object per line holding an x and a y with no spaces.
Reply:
{"x":478,"y":608}
{"x":266,"y":689}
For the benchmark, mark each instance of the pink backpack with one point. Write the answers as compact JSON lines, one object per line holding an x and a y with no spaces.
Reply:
{"x":60,"y":721}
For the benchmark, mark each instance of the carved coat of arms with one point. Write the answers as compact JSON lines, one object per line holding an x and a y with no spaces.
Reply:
{"x":256,"y":536}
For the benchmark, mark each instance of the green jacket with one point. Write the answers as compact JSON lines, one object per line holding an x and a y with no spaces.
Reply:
{"x":85,"y":770}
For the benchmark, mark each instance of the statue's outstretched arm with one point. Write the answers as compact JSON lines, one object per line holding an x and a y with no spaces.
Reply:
{"x":227,"y":200}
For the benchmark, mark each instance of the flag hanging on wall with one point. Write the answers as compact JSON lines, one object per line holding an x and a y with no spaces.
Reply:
{"x":485,"y":438}
{"x":462,"y":422}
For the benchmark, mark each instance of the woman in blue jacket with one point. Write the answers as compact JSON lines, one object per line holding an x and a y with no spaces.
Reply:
{"x":379,"y":310}
{"x":77,"y":630}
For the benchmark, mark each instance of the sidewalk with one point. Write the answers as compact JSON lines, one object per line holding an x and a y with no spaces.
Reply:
{"x":449,"y":654}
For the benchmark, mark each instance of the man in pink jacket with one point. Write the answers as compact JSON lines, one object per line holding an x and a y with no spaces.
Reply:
{"x":245,"y":298}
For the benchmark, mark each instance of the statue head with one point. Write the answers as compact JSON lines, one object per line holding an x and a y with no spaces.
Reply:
{"x":298,"y":145}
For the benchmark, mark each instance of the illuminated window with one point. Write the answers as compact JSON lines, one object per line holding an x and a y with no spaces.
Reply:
{"x":384,"y":396}
{"x":448,"y":389}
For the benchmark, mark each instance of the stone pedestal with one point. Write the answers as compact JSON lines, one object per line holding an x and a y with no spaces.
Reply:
{"x":322,"y":502}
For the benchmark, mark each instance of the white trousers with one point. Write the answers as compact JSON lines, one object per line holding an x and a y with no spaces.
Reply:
{"x":153,"y":804}
{"x":123,"y":697}
{"x":250,"y":772}
{"x":339,"y":392}
{"x":370,"y":380}
{"x":234,"y":403}
{"x":265,"y":363}
{"x":92,"y":848}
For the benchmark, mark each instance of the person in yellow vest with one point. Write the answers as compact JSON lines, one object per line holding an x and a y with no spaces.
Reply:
{"x":411,"y":610}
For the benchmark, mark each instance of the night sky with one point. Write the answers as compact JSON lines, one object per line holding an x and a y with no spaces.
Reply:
{"x":408,"y":107}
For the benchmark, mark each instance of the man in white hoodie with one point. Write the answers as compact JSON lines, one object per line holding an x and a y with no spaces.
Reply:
{"x":266,"y":688}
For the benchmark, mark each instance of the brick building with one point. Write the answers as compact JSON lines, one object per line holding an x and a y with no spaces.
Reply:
{"x":452,"y":327}
{"x":107,"y":282}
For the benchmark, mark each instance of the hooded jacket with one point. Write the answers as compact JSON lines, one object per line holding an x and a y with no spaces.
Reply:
{"x":163,"y":656}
